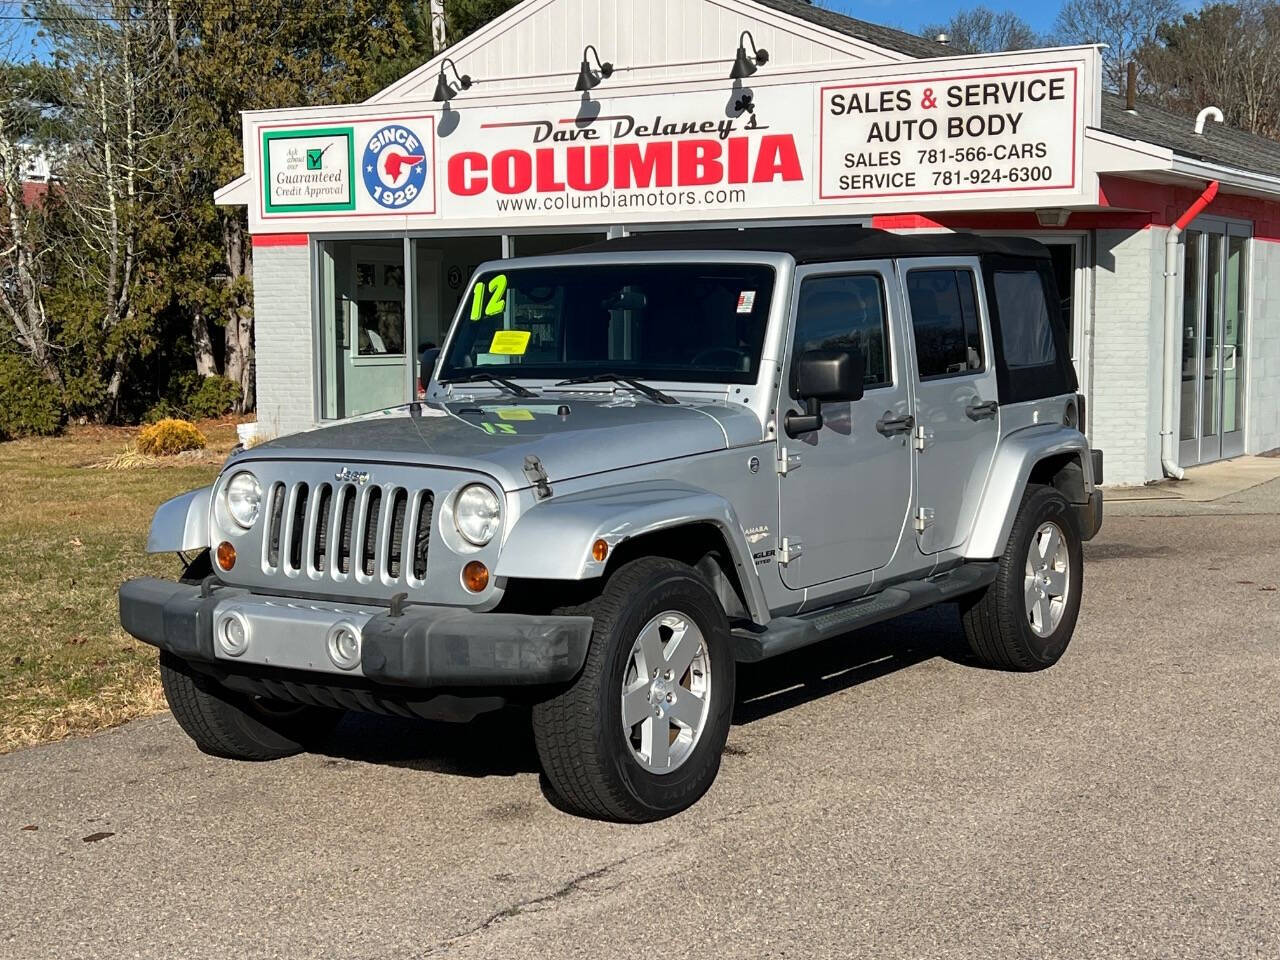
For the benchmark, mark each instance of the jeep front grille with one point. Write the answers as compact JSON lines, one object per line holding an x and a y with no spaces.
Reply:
{"x":343,"y":531}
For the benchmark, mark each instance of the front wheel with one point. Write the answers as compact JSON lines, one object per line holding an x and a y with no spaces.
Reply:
{"x":227,"y":724}
{"x":638,"y":736}
{"x":1024,"y":620}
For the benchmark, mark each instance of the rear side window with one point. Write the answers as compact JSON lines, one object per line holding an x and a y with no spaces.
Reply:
{"x":1025,"y":329}
{"x":944,"y":321}
{"x":841,"y":312}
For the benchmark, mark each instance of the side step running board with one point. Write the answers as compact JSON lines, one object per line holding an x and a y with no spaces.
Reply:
{"x":784,"y":634}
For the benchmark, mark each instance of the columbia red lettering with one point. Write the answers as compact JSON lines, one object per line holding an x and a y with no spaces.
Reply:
{"x":598,"y":177}
{"x":627,"y":166}
{"x":777,"y":156}
{"x":698,"y":163}
{"x":512,"y":171}
{"x":643,"y":166}
{"x":464,"y":174}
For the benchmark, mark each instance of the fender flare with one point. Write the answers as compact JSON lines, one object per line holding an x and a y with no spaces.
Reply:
{"x":553,"y":539}
{"x":1019,"y":453}
{"x":182,"y":523}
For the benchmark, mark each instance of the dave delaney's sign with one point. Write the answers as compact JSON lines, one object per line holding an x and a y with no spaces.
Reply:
{"x":641,"y":153}
{"x":980,"y":132}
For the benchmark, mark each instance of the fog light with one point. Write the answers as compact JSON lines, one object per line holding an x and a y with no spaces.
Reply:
{"x":233,"y":634}
{"x":475,"y":576}
{"x":226,"y":555}
{"x":343,"y":645}
{"x":599,"y":550}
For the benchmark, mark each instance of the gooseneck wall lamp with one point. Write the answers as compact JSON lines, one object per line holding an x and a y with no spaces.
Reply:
{"x":445,"y":91}
{"x":589,"y":79}
{"x":744,"y":65}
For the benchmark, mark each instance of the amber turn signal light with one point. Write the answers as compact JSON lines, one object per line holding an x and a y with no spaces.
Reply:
{"x":475,"y":576}
{"x":599,"y":550}
{"x":226,"y":555}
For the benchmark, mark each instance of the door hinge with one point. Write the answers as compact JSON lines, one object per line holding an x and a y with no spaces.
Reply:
{"x":924,"y":519}
{"x":921,"y":437}
{"x":787,"y":462}
{"x":790,"y":550}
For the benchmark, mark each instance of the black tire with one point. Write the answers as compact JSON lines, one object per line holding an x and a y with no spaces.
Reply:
{"x":226,"y":724}
{"x":584,"y":750}
{"x":996,"y":620}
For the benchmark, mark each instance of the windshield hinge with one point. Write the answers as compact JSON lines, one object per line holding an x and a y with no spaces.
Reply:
{"x":533,"y":469}
{"x":787,"y":461}
{"x":790,"y":550}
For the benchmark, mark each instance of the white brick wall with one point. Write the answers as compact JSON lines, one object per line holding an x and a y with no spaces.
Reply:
{"x":284,"y":338}
{"x":1262,"y":362}
{"x":1124,"y":412}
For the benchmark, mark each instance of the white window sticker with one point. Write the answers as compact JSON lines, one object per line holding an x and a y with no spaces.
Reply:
{"x":746,"y":301}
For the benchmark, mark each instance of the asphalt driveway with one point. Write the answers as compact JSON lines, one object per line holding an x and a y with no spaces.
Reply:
{"x":880,"y":798}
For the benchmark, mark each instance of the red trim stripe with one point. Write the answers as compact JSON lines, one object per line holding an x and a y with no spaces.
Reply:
{"x":280,"y":240}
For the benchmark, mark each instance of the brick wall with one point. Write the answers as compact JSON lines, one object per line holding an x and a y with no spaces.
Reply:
{"x":283,"y":336}
{"x":1262,"y":417}
{"x":1127,"y":344}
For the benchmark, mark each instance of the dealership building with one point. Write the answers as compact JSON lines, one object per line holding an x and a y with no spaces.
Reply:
{"x":567,"y":121}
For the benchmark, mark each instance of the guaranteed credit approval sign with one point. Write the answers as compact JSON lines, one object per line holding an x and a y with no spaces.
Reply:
{"x":980,"y":132}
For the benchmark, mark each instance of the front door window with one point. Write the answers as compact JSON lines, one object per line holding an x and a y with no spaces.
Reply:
{"x":847,"y":507}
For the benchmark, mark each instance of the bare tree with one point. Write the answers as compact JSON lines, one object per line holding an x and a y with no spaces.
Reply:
{"x":983,"y":30}
{"x":24,"y":319}
{"x":115,"y":68}
{"x":1125,"y":26}
{"x":1226,"y":55}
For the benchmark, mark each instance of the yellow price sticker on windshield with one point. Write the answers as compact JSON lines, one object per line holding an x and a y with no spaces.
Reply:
{"x":515,"y":413}
{"x":512,"y":343}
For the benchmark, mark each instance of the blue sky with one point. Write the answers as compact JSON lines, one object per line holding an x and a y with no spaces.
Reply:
{"x":911,"y":16}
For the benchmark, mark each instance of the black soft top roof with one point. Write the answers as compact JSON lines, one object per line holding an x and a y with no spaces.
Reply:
{"x":825,"y":244}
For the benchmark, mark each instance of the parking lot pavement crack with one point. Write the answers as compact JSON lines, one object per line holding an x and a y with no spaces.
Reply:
{"x":532,"y":904}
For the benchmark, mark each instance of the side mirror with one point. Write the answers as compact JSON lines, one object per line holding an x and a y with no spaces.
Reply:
{"x":825,"y":376}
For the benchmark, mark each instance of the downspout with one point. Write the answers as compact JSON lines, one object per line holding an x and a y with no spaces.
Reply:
{"x":1172,"y":348}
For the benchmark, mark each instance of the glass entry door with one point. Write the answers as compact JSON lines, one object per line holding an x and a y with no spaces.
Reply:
{"x":1214,"y":304}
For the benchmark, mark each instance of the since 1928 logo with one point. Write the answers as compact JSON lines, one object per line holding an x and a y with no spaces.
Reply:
{"x":395,"y":166}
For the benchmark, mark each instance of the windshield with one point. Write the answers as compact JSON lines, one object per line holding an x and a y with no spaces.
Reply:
{"x":690,"y":322}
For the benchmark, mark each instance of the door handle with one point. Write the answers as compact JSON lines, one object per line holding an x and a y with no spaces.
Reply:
{"x":979,"y":410}
{"x":889,"y":425}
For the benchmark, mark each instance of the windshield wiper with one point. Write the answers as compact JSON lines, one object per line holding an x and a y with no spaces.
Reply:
{"x":651,"y":392}
{"x":504,"y":383}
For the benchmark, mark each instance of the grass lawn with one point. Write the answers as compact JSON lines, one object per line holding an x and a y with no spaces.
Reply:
{"x":70,"y":533}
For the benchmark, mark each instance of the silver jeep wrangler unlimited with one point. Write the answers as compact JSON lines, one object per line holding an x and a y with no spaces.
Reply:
{"x":637,"y":466}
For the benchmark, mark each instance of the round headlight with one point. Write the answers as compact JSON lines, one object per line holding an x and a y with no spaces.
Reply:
{"x":476,"y":514}
{"x":244,"y":499}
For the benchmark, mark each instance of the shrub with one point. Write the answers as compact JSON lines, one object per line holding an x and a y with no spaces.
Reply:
{"x":214,"y":397}
{"x":168,"y":437}
{"x":29,"y":404}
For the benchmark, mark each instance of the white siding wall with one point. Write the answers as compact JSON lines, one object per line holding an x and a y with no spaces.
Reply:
{"x":543,"y":37}
{"x":1127,"y":343}
{"x":284,"y":340}
{"x":1262,"y":430}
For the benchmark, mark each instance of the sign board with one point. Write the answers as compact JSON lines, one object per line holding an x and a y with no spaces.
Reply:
{"x":980,"y":132}
{"x":370,"y":168}
{"x":994,"y":132}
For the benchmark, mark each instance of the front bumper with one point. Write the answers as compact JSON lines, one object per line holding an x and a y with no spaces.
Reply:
{"x":424,"y":647}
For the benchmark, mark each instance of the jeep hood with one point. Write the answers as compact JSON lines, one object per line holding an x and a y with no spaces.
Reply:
{"x":495,"y":435}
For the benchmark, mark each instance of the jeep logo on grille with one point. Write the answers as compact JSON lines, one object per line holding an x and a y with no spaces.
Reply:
{"x":347,"y":475}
